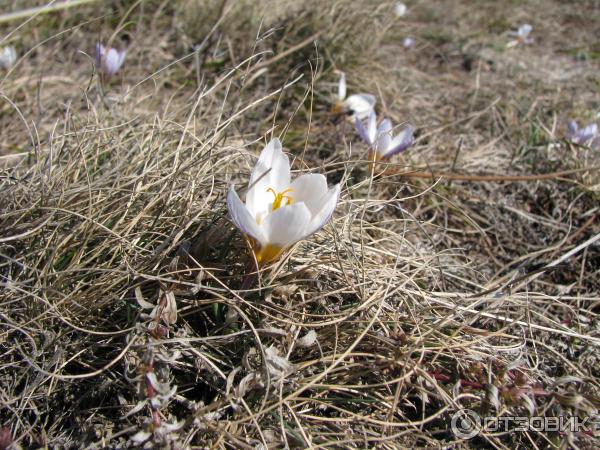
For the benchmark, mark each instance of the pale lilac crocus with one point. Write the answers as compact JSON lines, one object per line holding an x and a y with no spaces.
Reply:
{"x":382,"y":143}
{"x":8,"y":57}
{"x":109,"y":60}
{"x":400,"y":9}
{"x":359,"y":105}
{"x":587,"y":135}
{"x":408,"y":42}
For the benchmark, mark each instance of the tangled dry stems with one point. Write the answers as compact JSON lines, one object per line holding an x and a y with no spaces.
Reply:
{"x":422,"y":297}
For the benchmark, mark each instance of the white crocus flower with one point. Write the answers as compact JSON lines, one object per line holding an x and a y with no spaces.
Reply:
{"x":279,"y":212}
{"x":359,"y":105}
{"x":8,"y":57}
{"x":408,"y":42}
{"x":382,"y":143}
{"x":109,"y":60}
{"x":400,"y":9}
{"x":522,"y":35}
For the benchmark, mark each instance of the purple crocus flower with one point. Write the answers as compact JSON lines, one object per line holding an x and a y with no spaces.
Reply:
{"x":382,"y":143}
{"x":584,"y":135}
{"x":109,"y":60}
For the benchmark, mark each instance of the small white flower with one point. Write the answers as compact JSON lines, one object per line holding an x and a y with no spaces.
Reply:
{"x":8,"y":57}
{"x":109,"y":60}
{"x":522,"y":35}
{"x":400,"y":9}
{"x":360,"y":105}
{"x":408,"y":42}
{"x":382,"y":143}
{"x":583,"y":136}
{"x":524,"y":31}
{"x":278,"y":212}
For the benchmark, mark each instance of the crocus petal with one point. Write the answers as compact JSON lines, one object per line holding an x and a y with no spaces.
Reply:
{"x":287,"y":225}
{"x":342,"y":87}
{"x":121,"y":59}
{"x":524,"y":30}
{"x":272,"y":157}
{"x":242,"y":218}
{"x":572,"y":127}
{"x":99,"y":54}
{"x":595,"y":144}
{"x":383,"y":137}
{"x":588,"y":132}
{"x":360,"y":105}
{"x":111,"y":61}
{"x":8,"y":57}
{"x":362,"y":132}
{"x":310,"y":189}
{"x":275,"y":166}
{"x":400,"y":9}
{"x":322,"y":217}
{"x":401,"y":142}
{"x":372,"y":130}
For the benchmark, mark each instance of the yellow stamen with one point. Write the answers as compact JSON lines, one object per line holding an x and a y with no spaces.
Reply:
{"x":279,"y":196}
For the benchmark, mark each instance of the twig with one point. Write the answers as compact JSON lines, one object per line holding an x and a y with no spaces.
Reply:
{"x":497,"y":178}
{"x":287,"y":52}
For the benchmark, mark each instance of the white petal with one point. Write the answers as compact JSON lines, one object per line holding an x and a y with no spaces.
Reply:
{"x":372,"y":130}
{"x":8,"y":57}
{"x":384,"y":137}
{"x":342,"y":87}
{"x":311,"y":190}
{"x":322,"y":217}
{"x":591,"y":130}
{"x":100,"y":50}
{"x":122,"y":55}
{"x":524,"y":30}
{"x":400,"y":9}
{"x":362,"y":131}
{"x":401,"y":142}
{"x":242,"y":218}
{"x":111,"y":61}
{"x":361,"y":105}
{"x":272,"y":157}
{"x":259,"y":199}
{"x":286,"y":225}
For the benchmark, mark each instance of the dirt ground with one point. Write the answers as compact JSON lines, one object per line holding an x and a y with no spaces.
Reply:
{"x":462,"y":274}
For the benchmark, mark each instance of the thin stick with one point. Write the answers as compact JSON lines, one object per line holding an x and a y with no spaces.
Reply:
{"x":498,"y":178}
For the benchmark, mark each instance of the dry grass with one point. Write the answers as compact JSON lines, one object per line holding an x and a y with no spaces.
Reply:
{"x":426,"y":294}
